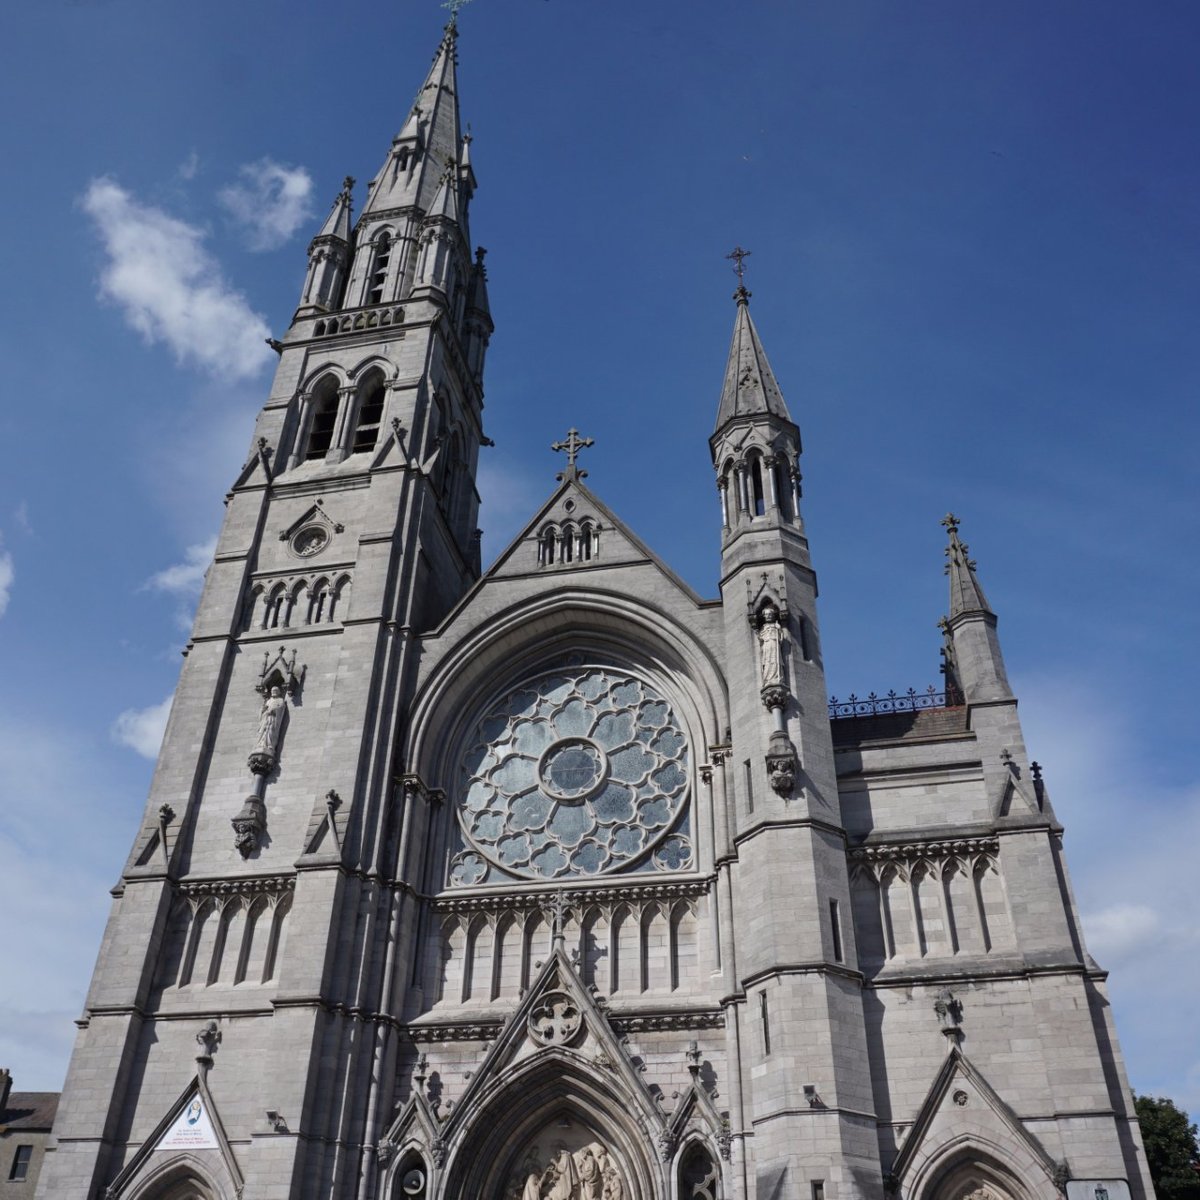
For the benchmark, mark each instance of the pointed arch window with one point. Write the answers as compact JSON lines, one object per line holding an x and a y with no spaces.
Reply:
{"x":758,"y":500}
{"x":323,"y":423}
{"x":370,"y":415}
{"x":699,"y":1177}
{"x":379,"y":268}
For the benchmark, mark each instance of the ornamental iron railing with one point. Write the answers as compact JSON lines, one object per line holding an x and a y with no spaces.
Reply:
{"x":874,"y":705}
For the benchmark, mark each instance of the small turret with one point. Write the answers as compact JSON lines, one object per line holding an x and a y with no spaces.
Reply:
{"x":329,"y":256}
{"x":975,"y":659}
{"x":755,"y":444}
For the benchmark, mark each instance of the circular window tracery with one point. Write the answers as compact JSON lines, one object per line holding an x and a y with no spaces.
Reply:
{"x":578,"y":772}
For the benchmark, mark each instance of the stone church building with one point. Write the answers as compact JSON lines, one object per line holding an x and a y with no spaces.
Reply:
{"x":559,"y":881}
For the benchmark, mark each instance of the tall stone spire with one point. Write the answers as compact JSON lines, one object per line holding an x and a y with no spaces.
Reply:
{"x":750,"y":388}
{"x":975,"y":657}
{"x":966,"y":594}
{"x":329,"y":255}
{"x":429,"y":140}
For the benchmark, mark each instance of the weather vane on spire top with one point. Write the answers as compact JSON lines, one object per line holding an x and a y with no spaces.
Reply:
{"x":454,"y":6}
{"x":739,"y":257}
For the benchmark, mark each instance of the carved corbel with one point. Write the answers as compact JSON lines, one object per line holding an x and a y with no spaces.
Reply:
{"x":783,"y":765}
{"x":949,"y":1014}
{"x":249,"y":825}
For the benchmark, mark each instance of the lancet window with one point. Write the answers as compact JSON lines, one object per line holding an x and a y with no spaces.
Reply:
{"x":379,"y":268}
{"x":323,"y":420}
{"x":370,"y":415}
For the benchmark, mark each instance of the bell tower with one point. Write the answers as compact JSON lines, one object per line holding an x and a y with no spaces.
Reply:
{"x":793,"y":937}
{"x":253,"y":919}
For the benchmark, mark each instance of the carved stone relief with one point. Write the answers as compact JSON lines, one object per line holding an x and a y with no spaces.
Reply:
{"x":567,"y":1163}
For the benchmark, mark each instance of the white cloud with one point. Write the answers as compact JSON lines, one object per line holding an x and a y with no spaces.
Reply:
{"x":1119,"y":932}
{"x":185,"y":578}
{"x":270,"y":202}
{"x":1130,"y":845}
{"x":189,"y":168}
{"x":141,"y":729}
{"x":21,"y":519}
{"x":7,"y":575}
{"x":171,"y":289}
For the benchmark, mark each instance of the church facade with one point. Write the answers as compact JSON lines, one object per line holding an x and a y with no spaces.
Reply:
{"x":558,"y":881}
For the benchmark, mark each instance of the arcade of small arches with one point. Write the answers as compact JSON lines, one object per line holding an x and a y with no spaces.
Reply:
{"x":226,"y":940}
{"x":761,"y":483}
{"x":568,"y":541}
{"x":362,"y":320}
{"x":312,"y":600}
{"x":915,"y":902}
{"x":625,"y":948}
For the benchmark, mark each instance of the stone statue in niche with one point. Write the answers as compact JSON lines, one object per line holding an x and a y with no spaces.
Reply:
{"x":770,"y":647}
{"x":270,"y":723}
{"x":587,"y":1173}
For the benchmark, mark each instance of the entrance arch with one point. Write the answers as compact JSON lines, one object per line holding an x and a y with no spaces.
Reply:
{"x":555,"y":1130}
{"x":974,"y":1175}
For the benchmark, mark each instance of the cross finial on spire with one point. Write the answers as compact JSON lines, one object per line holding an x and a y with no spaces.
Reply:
{"x":739,"y":256}
{"x":454,"y":6}
{"x":572,"y":445}
{"x":951,"y":522}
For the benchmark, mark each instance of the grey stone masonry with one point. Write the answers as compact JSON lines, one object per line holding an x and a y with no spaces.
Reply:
{"x":558,"y":881}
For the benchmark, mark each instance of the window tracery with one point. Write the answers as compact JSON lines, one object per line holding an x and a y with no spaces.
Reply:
{"x":581,"y":771}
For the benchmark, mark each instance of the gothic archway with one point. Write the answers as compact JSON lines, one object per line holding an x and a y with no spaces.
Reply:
{"x":180,"y":1178}
{"x":974,"y":1176}
{"x":556,"y":1131}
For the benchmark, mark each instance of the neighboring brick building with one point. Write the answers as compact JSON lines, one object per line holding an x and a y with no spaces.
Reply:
{"x":25,"y":1122}
{"x":559,"y":881}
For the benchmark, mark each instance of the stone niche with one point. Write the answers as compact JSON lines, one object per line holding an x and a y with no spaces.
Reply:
{"x":567,"y":1160}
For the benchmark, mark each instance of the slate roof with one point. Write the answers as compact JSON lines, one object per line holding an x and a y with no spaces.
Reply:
{"x":29,"y":1110}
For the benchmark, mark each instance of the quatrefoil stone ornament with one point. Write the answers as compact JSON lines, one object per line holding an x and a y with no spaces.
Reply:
{"x":555,"y":1020}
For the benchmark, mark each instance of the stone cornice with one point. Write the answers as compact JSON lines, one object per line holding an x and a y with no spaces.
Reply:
{"x":594,"y":893}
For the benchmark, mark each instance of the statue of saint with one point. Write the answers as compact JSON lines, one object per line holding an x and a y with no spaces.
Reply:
{"x":613,"y":1188}
{"x":566,"y":1179}
{"x":591,"y":1182}
{"x":270,"y":724}
{"x":533,"y":1187}
{"x":770,"y":643}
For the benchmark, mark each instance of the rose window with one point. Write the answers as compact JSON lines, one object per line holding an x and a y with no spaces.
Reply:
{"x":576,"y":773}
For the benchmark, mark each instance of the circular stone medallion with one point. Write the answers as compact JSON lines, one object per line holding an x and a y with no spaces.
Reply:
{"x":310,"y":540}
{"x":573,"y":769}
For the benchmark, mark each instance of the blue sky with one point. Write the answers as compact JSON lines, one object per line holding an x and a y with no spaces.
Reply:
{"x":974,"y":232}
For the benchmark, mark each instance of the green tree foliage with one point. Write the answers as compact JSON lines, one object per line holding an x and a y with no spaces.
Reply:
{"x":1171,"y":1149}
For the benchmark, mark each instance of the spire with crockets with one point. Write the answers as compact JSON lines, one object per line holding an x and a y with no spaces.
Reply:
{"x":755,"y":444}
{"x":973,"y":647}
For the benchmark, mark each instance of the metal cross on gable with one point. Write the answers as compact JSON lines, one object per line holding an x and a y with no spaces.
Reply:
{"x":572,"y":444}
